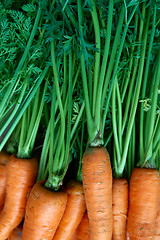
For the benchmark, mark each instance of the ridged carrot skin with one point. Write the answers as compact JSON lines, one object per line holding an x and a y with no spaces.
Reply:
{"x":74,"y":211}
{"x":120,"y":208}
{"x":143,"y":204}
{"x":97,"y":184}
{"x":44,"y":211}
{"x":4,"y":157}
{"x":16,"y":234}
{"x":21,"y":176}
{"x":157,"y":224}
{"x":83,"y":230}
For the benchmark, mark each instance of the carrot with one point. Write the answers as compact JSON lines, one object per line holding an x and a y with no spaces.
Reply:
{"x":16,"y":234}
{"x":157,"y":224}
{"x":83,"y":230}
{"x":4,"y":157}
{"x":97,"y":183}
{"x":73,"y":213}
{"x":21,"y":175}
{"x":120,"y":208}
{"x":44,"y":211}
{"x":143,"y":203}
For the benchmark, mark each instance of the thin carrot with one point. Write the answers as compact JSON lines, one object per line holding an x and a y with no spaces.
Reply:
{"x":16,"y":234}
{"x":143,"y":203}
{"x":97,"y":183}
{"x":73,"y":213}
{"x":83,"y":230}
{"x":21,"y":175}
{"x":120,"y":208}
{"x":4,"y":157}
{"x":44,"y":211}
{"x":157,"y":224}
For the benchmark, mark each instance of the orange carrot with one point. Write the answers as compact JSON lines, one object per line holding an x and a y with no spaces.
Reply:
{"x":157,"y":224}
{"x":21,"y":175}
{"x":83,"y":230}
{"x":120,"y":208}
{"x":143,"y":204}
{"x":44,"y":211}
{"x":97,"y":183}
{"x":74,"y":236}
{"x":73,"y":213}
{"x":16,"y":234}
{"x":4,"y":157}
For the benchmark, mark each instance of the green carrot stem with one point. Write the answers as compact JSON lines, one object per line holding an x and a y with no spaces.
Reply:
{"x":56,"y":82}
{"x":24,"y":56}
{"x":23,"y":107}
{"x":22,"y":135}
{"x":135,"y":97}
{"x":113,"y":53}
{"x":92,"y":130}
{"x":114,"y":123}
{"x":98,"y":108}
{"x":97,"y":59}
{"x":44,"y":154}
{"x":116,"y":67}
{"x":17,"y":105}
{"x":145,"y":85}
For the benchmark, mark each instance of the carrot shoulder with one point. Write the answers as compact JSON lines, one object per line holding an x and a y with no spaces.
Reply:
{"x":21,"y":175}
{"x":120,"y":208}
{"x":97,"y":183}
{"x":44,"y":211}
{"x":143,"y":204}
{"x":73,"y":213}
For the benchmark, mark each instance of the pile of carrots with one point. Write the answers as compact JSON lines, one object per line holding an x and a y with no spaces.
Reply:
{"x":76,"y":212}
{"x":79,"y":121}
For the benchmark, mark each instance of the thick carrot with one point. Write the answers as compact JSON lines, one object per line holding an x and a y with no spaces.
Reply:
{"x":157,"y":224}
{"x":83,"y":230}
{"x":120,"y":208}
{"x":73,"y":213}
{"x":16,"y":234}
{"x":143,"y":204}
{"x":44,"y":211}
{"x":97,"y":183}
{"x":4,"y":157}
{"x":21,"y":175}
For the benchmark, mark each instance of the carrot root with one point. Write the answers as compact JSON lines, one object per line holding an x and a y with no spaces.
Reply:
{"x":120,"y":208}
{"x":21,"y":176}
{"x":97,"y":183}
{"x":44,"y":211}
{"x":143,"y":204}
{"x":73,"y":213}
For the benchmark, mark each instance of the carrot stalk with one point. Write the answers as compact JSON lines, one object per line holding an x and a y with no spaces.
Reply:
{"x":120,"y":208}
{"x":44,"y":211}
{"x":73,"y":213}
{"x":21,"y":175}
{"x":143,"y":204}
{"x":97,"y":183}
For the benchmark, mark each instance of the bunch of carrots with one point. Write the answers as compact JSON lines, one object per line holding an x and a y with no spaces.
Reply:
{"x":79,"y":120}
